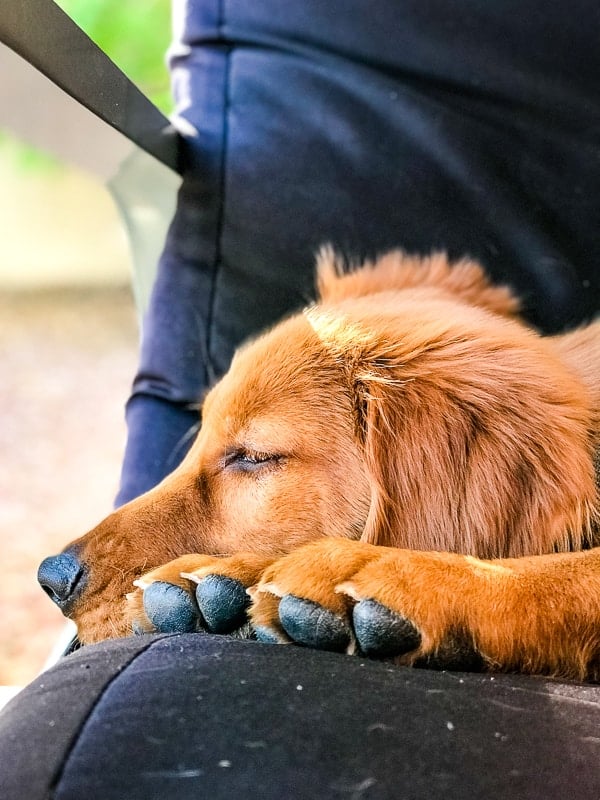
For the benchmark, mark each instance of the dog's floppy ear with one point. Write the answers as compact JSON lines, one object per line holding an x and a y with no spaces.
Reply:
{"x":415,"y":459}
{"x":475,"y":434}
{"x":493,"y":464}
{"x":337,"y":279}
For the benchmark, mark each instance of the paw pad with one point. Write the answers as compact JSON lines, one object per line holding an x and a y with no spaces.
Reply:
{"x":455,"y":652}
{"x":381,"y":632}
{"x":312,"y":625}
{"x":170,"y":608}
{"x":268,"y":635}
{"x":222,"y":602}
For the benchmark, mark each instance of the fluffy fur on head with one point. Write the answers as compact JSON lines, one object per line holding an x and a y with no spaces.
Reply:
{"x":464,"y":412}
{"x":398,"y":271}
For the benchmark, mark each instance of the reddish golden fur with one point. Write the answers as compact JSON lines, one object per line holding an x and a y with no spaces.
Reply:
{"x":408,"y":408}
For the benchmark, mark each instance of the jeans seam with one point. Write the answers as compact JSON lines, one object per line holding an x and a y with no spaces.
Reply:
{"x":217,"y":263}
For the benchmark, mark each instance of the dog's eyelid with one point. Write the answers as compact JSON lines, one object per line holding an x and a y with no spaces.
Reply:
{"x":247,"y":459}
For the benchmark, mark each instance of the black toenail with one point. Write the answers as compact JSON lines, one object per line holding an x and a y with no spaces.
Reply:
{"x":266,"y":635}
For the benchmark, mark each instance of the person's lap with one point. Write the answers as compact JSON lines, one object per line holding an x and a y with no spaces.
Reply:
{"x":189,"y":716}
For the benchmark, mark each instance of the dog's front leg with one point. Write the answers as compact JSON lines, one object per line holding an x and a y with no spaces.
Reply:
{"x":538,"y":615}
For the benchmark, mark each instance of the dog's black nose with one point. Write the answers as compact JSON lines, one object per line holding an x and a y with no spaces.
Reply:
{"x":59,"y":576}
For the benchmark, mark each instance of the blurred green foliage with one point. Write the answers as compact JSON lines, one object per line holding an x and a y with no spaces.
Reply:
{"x":24,"y":157}
{"x":135,"y":34}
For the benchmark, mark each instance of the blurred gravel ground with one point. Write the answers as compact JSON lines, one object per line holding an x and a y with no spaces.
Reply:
{"x":67,"y":358}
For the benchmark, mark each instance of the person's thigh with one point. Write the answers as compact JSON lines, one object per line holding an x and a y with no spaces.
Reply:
{"x":199,"y":716}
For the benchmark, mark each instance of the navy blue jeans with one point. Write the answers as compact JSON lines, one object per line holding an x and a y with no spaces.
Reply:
{"x":183,"y":717}
{"x":464,"y":126}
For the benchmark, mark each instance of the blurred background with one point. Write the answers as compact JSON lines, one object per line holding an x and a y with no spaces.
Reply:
{"x":68,"y":340}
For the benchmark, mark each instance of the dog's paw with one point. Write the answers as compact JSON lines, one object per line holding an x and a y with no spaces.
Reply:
{"x":380,"y":602}
{"x":430,"y":609}
{"x":332,"y":594}
{"x":195,"y":593}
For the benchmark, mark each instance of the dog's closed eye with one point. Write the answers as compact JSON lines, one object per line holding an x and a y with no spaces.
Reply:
{"x":243,"y":460}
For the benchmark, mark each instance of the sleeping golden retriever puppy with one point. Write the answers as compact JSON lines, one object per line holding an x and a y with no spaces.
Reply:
{"x":404,"y":470}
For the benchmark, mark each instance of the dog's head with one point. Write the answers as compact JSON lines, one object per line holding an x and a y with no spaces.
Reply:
{"x":407,"y":408}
